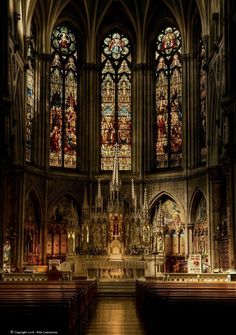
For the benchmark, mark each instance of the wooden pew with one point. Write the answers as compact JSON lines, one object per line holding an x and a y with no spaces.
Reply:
{"x":38,"y":311}
{"x":164,"y":305}
{"x":62,"y":305}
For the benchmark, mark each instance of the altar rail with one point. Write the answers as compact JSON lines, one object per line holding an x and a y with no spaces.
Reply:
{"x":115,"y":264}
{"x":201,"y":277}
{"x":37,"y":276}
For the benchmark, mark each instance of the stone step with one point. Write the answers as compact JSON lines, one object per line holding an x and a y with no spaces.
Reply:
{"x":116,"y":288}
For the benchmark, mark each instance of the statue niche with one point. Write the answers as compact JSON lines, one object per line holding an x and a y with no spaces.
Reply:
{"x":116,"y":236}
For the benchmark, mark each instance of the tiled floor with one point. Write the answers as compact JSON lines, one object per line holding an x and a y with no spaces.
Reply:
{"x":115,"y":317}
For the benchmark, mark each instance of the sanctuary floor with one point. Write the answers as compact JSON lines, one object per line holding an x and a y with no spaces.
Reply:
{"x":115,"y":316}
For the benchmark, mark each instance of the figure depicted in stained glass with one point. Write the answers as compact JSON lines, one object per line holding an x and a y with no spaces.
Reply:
{"x":124,"y":130}
{"x":70,"y":142}
{"x":55,"y":134}
{"x":116,"y":45}
{"x":168,"y":40}
{"x":161,"y":126}
{"x":176,"y":126}
{"x":64,"y":40}
{"x":161,"y":64}
{"x":108,"y":130}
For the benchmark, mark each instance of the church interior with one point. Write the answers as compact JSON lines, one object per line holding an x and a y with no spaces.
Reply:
{"x":118,"y":170}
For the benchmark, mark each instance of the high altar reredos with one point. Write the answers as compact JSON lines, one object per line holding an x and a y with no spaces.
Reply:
{"x":116,"y":239}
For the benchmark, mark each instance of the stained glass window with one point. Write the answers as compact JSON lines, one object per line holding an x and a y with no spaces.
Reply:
{"x":116,"y":101}
{"x":203,"y":95}
{"x":30,"y":102}
{"x":63,"y":99}
{"x":168,"y":99}
{"x":29,"y":113}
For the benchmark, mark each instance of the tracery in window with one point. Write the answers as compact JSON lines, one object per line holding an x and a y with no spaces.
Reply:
{"x":168,"y":99}
{"x":63,"y":99}
{"x":116,"y":101}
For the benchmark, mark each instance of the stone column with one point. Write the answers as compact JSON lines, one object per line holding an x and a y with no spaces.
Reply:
{"x":190,"y":117}
{"x":190,"y":238}
{"x":141,"y":115}
{"x":216,"y":194}
{"x":41,"y":124}
{"x":89,"y":146}
{"x":42,"y":242}
{"x":230,"y":203}
{"x":5,"y":106}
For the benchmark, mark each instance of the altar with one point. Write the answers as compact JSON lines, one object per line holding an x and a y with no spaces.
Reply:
{"x":115,"y":269}
{"x":104,"y":268}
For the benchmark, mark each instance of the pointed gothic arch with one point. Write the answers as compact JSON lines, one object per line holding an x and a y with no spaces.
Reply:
{"x":200,"y":227}
{"x":172,"y":216}
{"x":63,"y":227}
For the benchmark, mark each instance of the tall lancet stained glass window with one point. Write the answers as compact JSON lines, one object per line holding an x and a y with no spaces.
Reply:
{"x":29,"y":117}
{"x":63,"y":98}
{"x":30,"y":101}
{"x":116,"y":101}
{"x":203,"y":97}
{"x":168,"y":99}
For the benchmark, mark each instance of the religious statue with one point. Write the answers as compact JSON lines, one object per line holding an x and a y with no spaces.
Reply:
{"x":7,"y":253}
{"x":115,"y":226}
{"x":71,"y":242}
{"x":160,"y":244}
{"x":146,"y":233}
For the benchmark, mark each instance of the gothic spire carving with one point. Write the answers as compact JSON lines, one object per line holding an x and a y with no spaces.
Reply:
{"x":133,"y":196}
{"x":85,"y":207}
{"x":115,"y":181}
{"x":99,"y":197}
{"x":114,"y":202}
{"x":145,"y":205}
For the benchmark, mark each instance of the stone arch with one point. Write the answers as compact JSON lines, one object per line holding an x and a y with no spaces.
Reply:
{"x":63,"y":227}
{"x":171,"y":211}
{"x":199,"y":228}
{"x":196,"y":196}
{"x":68,"y":195}
{"x":165,"y":195}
